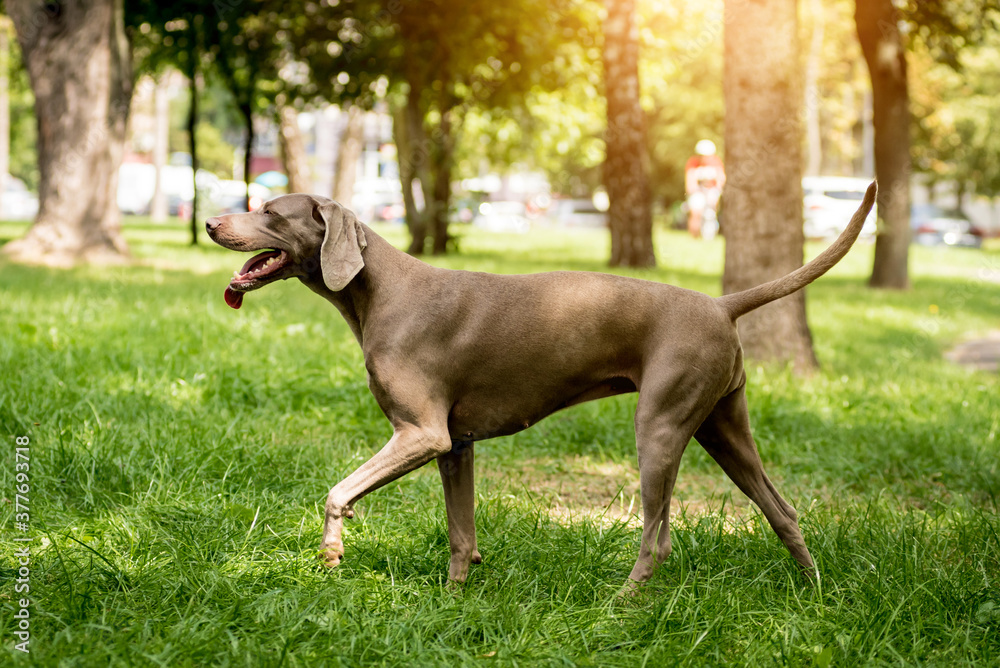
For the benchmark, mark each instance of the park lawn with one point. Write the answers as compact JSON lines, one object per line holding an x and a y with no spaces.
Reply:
{"x":181,"y":453}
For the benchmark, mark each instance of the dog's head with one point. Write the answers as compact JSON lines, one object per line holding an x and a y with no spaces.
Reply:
{"x":299,"y":235}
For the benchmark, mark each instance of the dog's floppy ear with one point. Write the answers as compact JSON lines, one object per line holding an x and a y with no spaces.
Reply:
{"x":340,"y":255}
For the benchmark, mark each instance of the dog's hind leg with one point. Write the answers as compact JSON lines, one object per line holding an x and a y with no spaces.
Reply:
{"x":661,"y":436}
{"x":458,"y":478}
{"x":725,"y":434}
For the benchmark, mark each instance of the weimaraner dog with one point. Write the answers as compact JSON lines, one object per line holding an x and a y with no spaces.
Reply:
{"x":455,"y":357}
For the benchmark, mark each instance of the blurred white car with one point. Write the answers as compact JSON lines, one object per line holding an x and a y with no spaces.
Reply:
{"x":935,"y":226}
{"x":18,"y":203}
{"x":830,"y":201}
{"x":503,"y":217}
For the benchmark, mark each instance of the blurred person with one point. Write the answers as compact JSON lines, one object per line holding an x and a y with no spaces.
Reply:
{"x":704,"y":178}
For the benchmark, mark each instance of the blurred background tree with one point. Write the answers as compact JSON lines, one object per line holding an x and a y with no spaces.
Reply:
{"x":630,"y":215}
{"x":886,"y":31}
{"x":79,"y":61}
{"x":763,"y":86}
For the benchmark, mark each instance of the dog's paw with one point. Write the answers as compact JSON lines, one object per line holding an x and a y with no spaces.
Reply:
{"x":476,"y":557}
{"x":331,"y":555}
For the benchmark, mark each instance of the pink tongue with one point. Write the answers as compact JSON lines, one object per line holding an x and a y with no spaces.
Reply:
{"x":233,"y":298}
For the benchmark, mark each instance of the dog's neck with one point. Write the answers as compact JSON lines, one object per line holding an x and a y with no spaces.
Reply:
{"x":382,"y":261}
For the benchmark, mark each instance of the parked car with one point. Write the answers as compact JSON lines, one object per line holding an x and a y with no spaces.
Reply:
{"x":577,"y":213}
{"x":19,"y":203}
{"x":935,"y":226}
{"x":503,"y":217}
{"x":830,"y":201}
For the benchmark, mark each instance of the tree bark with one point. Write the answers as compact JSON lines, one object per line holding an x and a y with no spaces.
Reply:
{"x":247,"y":111}
{"x":192,"y":128}
{"x":408,"y":157}
{"x":630,"y":214}
{"x":293,"y":150}
{"x":878,"y":31}
{"x":763,"y":194}
{"x":443,"y":166}
{"x":417,"y":159}
{"x":348,"y":154}
{"x":80,"y":65}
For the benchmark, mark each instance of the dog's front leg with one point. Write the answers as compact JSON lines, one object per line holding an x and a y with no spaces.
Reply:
{"x":458,"y":478}
{"x":409,"y":448}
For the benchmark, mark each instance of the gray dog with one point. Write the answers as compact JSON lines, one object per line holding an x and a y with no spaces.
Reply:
{"x":455,"y":357}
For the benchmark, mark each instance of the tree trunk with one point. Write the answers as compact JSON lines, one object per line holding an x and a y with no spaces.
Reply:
{"x":293,"y":150}
{"x":443,"y":165}
{"x":192,"y":128}
{"x":406,"y":158}
{"x":878,"y":31}
{"x":763,"y":195}
{"x":625,"y":171}
{"x":247,"y":112}
{"x":414,"y":158}
{"x":161,"y":103}
{"x":80,"y":64}
{"x":348,"y":154}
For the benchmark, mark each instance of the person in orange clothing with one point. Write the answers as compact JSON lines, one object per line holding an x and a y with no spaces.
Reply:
{"x":704,"y":178}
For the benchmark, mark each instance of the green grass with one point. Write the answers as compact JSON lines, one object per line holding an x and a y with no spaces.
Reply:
{"x":181,"y":453}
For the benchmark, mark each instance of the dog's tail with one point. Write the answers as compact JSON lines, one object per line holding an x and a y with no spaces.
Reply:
{"x":740,"y":303}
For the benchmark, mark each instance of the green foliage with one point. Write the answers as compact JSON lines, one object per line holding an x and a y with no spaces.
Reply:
{"x":955,"y":47}
{"x":559,"y":132}
{"x":682,"y":87}
{"x":956,"y":111}
{"x":215,"y":154}
{"x":946,"y":27}
{"x":181,"y":453}
{"x":23,"y":129}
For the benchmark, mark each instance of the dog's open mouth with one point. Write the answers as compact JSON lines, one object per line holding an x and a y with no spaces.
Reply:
{"x":259,"y":270}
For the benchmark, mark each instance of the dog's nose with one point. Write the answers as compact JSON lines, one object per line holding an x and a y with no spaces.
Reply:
{"x":212,"y":223}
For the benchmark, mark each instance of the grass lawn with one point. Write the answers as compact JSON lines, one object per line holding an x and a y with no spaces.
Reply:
{"x":181,"y":453}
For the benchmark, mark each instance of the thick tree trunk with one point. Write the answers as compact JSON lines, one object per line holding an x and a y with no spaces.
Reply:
{"x":192,"y":128}
{"x":625,"y":172}
{"x":763,"y":195}
{"x":878,"y":31}
{"x":349,"y":153}
{"x":407,"y":157}
{"x":293,"y":150}
{"x":443,"y":165}
{"x":415,"y":159}
{"x":80,"y":65}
